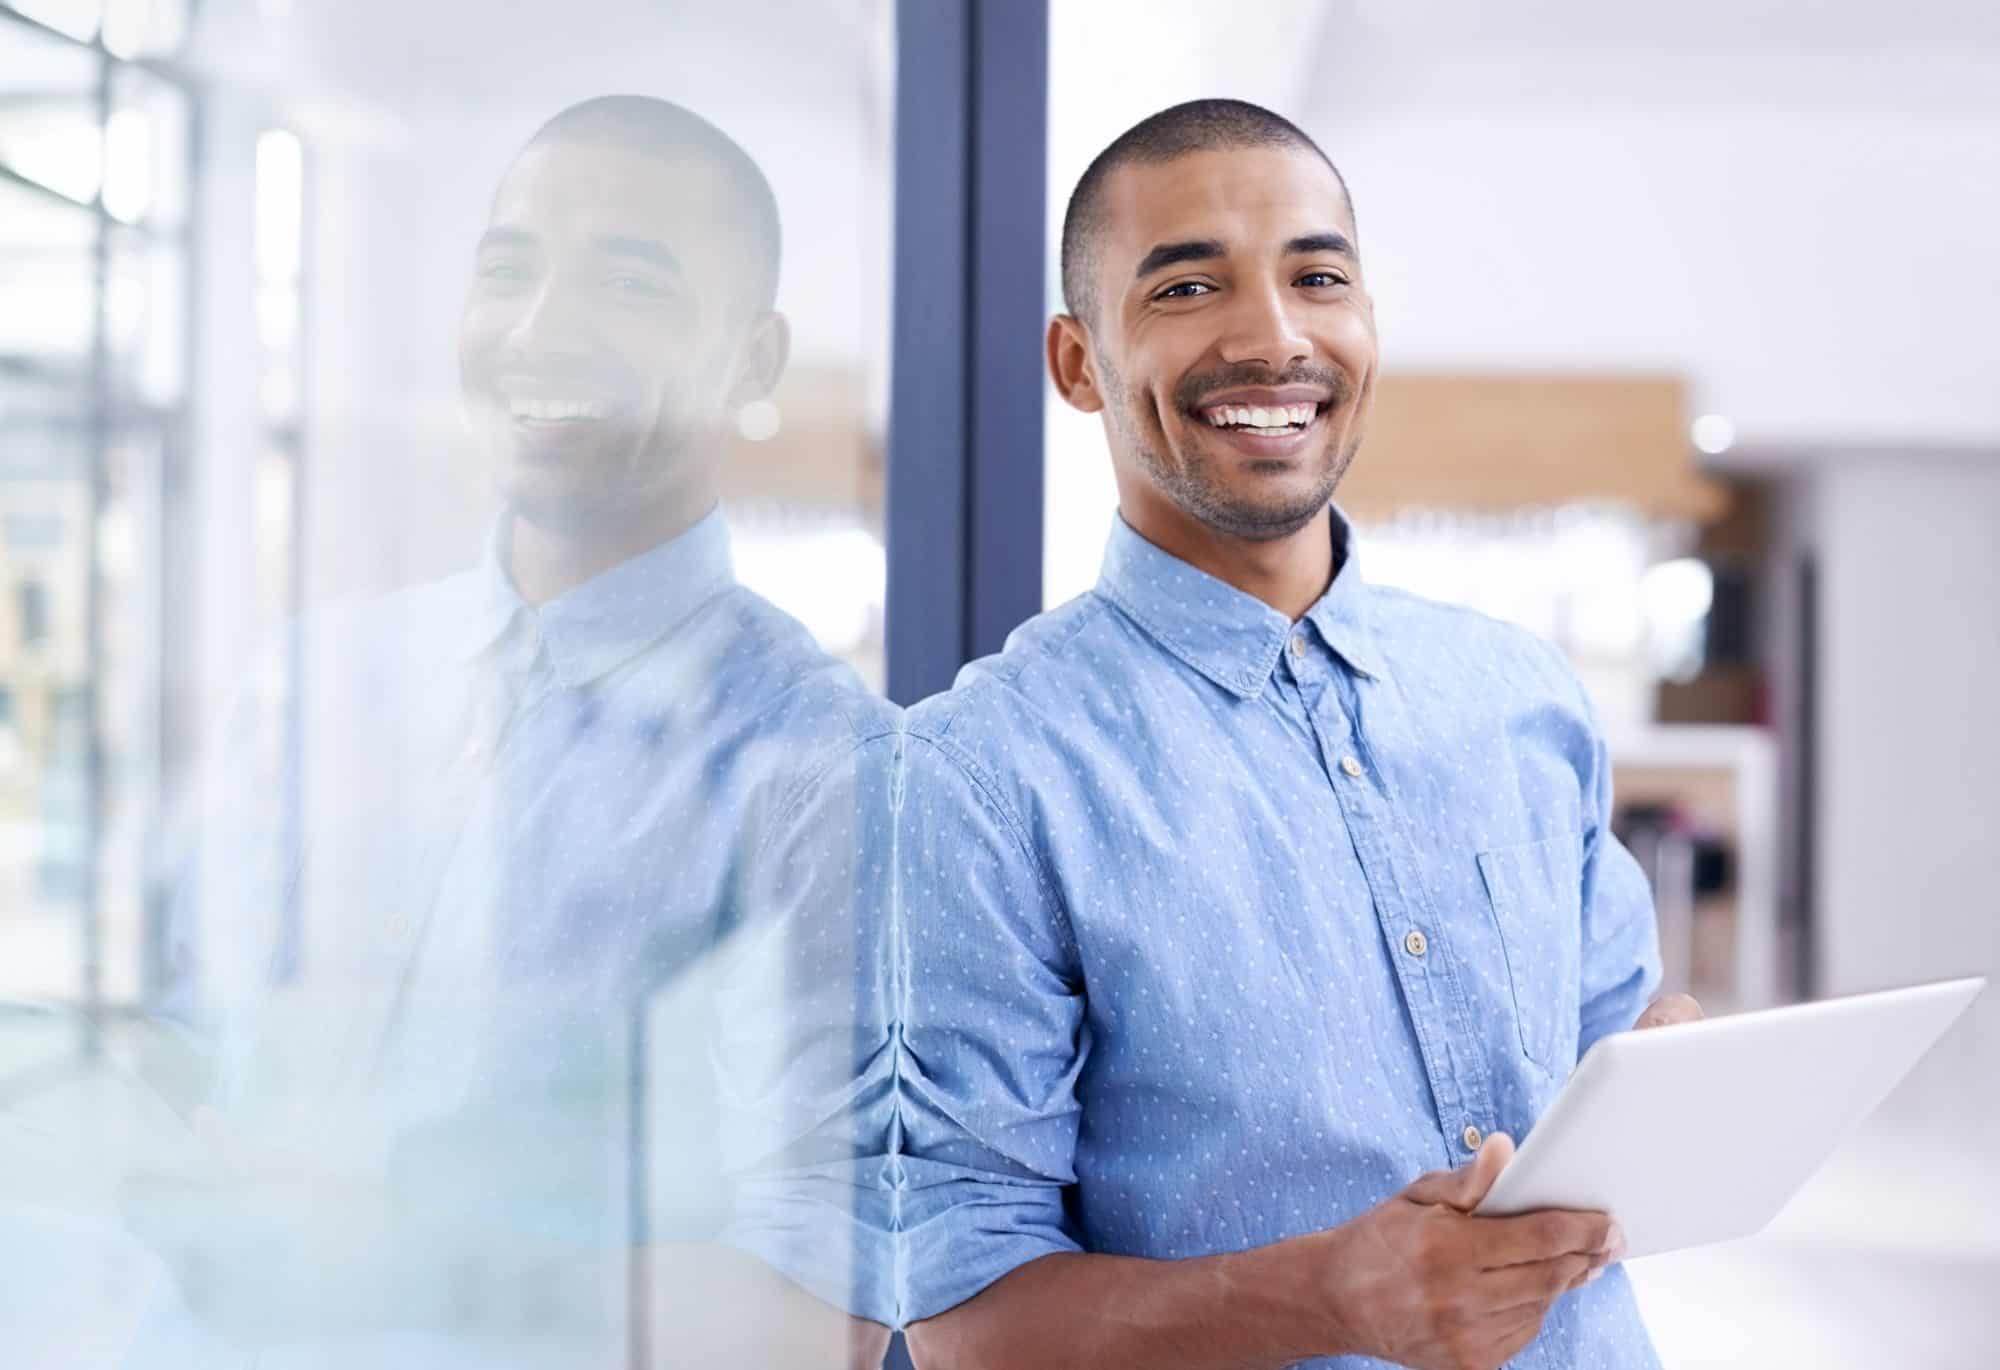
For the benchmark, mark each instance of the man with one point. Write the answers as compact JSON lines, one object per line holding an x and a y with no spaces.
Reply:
{"x":1249,"y":909}
{"x":590,"y":794}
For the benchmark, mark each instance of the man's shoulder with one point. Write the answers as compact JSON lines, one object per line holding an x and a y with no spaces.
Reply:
{"x":1048,"y":667}
{"x":1448,"y":647}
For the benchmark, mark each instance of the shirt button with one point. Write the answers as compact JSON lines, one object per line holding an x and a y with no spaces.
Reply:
{"x":1350,"y":767}
{"x":1298,"y":644}
{"x":1471,"y":1137}
{"x":1416,"y":943}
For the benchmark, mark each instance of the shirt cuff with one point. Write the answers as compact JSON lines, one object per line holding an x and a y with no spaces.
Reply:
{"x":827,"y":1233}
{"x":961,"y":1235}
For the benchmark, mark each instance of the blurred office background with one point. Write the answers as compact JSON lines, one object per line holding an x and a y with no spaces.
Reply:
{"x":1687,"y":326}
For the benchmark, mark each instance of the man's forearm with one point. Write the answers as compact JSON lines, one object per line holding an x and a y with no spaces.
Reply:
{"x":1241,"y":1311}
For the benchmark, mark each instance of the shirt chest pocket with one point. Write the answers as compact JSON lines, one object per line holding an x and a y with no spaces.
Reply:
{"x":1535,"y":891}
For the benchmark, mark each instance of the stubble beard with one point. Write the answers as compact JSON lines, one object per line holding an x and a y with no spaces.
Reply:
{"x":1192,"y":484}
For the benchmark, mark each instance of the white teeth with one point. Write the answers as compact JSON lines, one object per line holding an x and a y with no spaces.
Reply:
{"x":1278,"y":417}
{"x":548,"y":411}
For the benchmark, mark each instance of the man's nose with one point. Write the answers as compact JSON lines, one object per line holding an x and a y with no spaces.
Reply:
{"x":1261,"y":326}
{"x":556,"y":319}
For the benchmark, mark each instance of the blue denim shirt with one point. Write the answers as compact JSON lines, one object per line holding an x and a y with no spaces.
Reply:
{"x":1219,"y":929}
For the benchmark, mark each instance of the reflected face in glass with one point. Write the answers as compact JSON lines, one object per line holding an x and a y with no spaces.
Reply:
{"x":1236,"y":343}
{"x":602,"y":330}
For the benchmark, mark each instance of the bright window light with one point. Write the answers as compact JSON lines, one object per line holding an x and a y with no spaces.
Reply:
{"x":128,"y":166}
{"x":829,"y":575}
{"x":280,"y":191}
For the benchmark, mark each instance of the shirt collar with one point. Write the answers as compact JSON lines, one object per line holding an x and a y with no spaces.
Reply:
{"x":1231,"y":637}
{"x":599,"y":625}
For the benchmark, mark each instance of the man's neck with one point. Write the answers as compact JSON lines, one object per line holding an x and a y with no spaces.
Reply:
{"x":1288,"y":573}
{"x":545,"y":561}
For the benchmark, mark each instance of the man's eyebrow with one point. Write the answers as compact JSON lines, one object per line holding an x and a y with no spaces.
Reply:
{"x":645,"y":249}
{"x":1326,"y":241}
{"x":1171,"y":254}
{"x":505,"y":237}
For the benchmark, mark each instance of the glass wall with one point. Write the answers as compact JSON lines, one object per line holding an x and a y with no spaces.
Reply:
{"x":441,"y":609}
{"x":95,"y":266}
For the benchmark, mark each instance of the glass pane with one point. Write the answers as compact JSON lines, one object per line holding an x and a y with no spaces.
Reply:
{"x":45,"y":421}
{"x":146,"y":150}
{"x":45,"y":735}
{"x":145,"y":319}
{"x":532,"y":526}
{"x":77,"y":18}
{"x":45,"y":277}
{"x":144,"y":28}
{"x":49,"y":130}
{"x":50,"y":306}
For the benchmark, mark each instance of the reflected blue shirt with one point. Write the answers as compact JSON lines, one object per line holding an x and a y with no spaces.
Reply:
{"x":1219,"y":929}
{"x":517,"y":827}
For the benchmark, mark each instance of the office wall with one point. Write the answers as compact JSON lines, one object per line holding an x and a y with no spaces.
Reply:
{"x":1804,"y":235}
{"x":1909,"y":746}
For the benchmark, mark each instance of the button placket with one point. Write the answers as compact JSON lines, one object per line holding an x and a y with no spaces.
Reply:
{"x":1438,"y":1008}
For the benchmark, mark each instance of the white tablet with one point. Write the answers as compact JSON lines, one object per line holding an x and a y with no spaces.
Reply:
{"x":1701,"y":1132}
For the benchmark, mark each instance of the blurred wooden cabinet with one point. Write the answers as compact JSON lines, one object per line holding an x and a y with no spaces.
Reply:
{"x":1481,"y":443}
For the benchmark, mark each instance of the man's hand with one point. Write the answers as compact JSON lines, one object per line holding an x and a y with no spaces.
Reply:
{"x":1419,"y":1281}
{"x":1669,"y":1009}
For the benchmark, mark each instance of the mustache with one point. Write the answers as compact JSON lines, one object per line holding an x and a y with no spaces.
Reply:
{"x":603,"y":374}
{"x":1198,"y":386}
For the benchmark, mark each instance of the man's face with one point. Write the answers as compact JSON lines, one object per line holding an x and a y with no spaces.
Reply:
{"x":1234,"y":344}
{"x":602,"y":332}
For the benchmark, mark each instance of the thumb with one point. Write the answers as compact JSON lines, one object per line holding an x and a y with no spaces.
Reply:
{"x":1464,"y":1188}
{"x":1668,"y":1010}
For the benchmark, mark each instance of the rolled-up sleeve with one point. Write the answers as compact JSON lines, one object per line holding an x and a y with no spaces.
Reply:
{"x":804,"y":1049}
{"x":992,"y":1038}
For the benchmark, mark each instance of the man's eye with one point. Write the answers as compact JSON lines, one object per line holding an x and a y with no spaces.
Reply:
{"x":1183,"y":291}
{"x":1322,"y":278}
{"x":636,"y":285}
{"x":503,"y":271}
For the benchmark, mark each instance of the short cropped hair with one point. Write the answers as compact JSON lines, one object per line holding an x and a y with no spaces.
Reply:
{"x":1197,"y":126}
{"x":661,"y":128}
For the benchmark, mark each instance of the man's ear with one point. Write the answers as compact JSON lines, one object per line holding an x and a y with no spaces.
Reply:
{"x":1072,"y":365}
{"x":766,"y":349}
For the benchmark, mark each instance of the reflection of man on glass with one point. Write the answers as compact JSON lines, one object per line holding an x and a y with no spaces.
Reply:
{"x":590,"y":796}
{"x":1249,"y":905}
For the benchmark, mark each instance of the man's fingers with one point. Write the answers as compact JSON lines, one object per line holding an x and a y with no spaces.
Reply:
{"x":1669,"y":1009}
{"x":1464,"y":1188}
{"x":1532,"y":1238}
{"x":1525,"y":1287}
